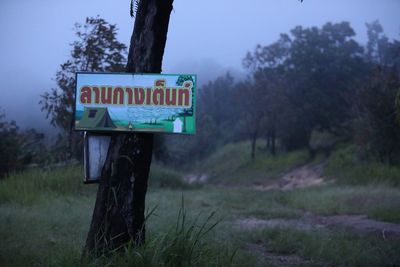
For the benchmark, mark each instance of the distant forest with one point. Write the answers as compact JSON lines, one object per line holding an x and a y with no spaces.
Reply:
{"x":313,"y":88}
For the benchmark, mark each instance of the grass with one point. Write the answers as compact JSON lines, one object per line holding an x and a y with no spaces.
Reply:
{"x":232,"y":164}
{"x":329,"y":248}
{"x":187,"y":242}
{"x":45,"y":215}
{"x":162,"y":177}
{"x":48,"y":233}
{"x":346,"y":169}
{"x":378,"y":202}
{"x":47,"y":226}
{"x":38,"y":185}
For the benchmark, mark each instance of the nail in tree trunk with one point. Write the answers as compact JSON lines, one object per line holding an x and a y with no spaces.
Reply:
{"x":118,"y":216}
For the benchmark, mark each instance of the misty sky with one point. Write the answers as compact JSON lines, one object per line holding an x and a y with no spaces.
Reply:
{"x":205,"y":37}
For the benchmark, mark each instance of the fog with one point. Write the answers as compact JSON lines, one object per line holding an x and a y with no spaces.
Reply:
{"x":205,"y":37}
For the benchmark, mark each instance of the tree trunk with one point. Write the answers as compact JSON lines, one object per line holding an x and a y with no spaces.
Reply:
{"x":253,"y":144}
{"x":273,"y":142}
{"x":118,"y":216}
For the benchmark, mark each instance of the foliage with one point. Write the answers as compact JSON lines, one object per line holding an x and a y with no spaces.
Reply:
{"x":312,"y":83}
{"x":397,"y":106}
{"x":19,"y":147}
{"x":377,"y":132}
{"x":260,"y":102}
{"x":8,"y":145}
{"x":376,"y":129}
{"x":302,"y":83}
{"x":322,"y":65}
{"x":379,"y":49}
{"x":96,"y":49}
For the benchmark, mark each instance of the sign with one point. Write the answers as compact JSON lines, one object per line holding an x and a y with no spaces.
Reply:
{"x":95,"y":153}
{"x":124,"y":102}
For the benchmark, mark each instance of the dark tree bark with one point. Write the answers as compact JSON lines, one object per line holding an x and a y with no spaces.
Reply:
{"x":253,"y":146}
{"x":118,"y":216}
{"x":273,"y":141}
{"x":254,"y":143}
{"x":268,"y":138}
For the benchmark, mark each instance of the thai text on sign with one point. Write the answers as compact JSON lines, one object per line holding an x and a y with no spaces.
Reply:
{"x":158,"y":95}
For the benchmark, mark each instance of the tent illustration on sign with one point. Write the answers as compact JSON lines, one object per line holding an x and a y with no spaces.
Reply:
{"x":96,"y":118}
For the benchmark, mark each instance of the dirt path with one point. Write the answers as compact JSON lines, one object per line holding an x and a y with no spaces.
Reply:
{"x":301,"y":177}
{"x":277,"y":259}
{"x":306,"y":176}
{"x":357,"y":223}
{"x":312,"y":175}
{"x":195,"y":178}
{"x":309,"y":222}
{"x":362,"y":224}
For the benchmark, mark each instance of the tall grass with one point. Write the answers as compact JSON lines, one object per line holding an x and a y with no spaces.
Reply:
{"x":345,"y":167}
{"x":45,"y":215}
{"x":188,"y":242}
{"x":36,"y":184}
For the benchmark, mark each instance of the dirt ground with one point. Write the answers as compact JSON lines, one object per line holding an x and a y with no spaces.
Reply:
{"x":301,"y":177}
{"x":358,"y":223}
{"x":305,"y":176}
{"x":311,"y":175}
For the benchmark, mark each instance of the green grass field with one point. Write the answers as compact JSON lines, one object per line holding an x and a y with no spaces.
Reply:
{"x":45,"y":216}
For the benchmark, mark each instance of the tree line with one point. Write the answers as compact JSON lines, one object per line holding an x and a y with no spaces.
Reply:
{"x":312,"y":88}
{"x":95,"y":49}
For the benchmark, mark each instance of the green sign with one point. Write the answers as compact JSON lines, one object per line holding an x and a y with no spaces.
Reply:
{"x":135,"y":102}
